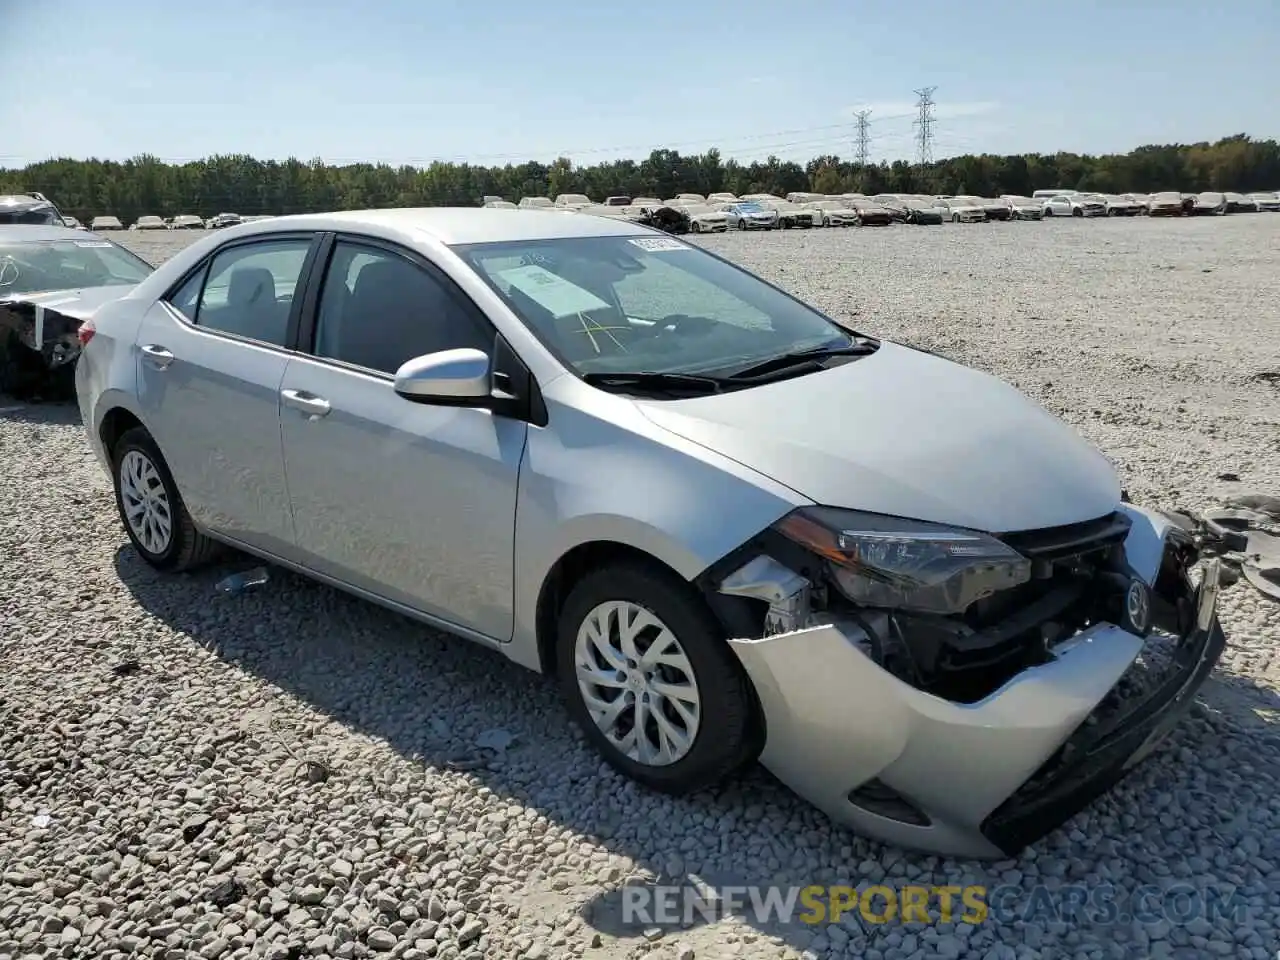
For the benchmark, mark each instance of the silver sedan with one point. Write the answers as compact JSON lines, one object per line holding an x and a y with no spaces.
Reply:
{"x":730,"y":527}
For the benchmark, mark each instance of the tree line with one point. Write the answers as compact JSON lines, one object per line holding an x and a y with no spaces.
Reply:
{"x":242,"y":184}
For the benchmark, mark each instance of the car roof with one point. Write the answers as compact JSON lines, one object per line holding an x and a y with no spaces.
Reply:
{"x":22,"y":201}
{"x":457,"y":225}
{"x":38,"y":232}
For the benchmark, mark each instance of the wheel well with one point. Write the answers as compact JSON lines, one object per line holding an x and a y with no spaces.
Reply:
{"x":567,"y":571}
{"x":115,"y":424}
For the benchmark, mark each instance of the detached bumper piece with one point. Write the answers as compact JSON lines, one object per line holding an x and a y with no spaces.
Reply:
{"x":1103,"y":751}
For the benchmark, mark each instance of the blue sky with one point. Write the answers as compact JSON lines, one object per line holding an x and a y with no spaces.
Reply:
{"x":507,"y":80}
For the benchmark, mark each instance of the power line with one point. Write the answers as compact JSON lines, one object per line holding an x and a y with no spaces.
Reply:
{"x":924,"y":124}
{"x":862,"y":147}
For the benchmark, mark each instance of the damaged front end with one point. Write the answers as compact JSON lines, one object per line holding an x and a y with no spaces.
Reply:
{"x":962,"y":692}
{"x":39,"y":343}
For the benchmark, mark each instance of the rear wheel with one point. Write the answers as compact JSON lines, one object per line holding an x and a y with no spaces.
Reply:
{"x":151,"y":508}
{"x":646,"y":674}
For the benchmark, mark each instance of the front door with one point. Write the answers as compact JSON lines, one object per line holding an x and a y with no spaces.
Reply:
{"x":210,"y":362}
{"x":412,"y":502}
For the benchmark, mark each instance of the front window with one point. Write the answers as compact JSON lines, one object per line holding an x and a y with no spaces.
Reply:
{"x":37,"y":266}
{"x":647,"y":304}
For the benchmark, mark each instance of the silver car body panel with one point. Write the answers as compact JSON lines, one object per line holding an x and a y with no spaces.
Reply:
{"x":1034,"y":470}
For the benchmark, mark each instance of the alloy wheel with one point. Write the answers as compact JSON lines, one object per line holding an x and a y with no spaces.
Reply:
{"x":637,"y":683}
{"x":147,"y":509}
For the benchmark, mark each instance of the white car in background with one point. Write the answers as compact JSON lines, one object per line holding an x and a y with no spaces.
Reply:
{"x":790,"y":215}
{"x":1118,"y":205}
{"x":834,"y":213}
{"x":535,"y":203}
{"x":964,"y":210}
{"x":695,"y":198}
{"x":715,"y":198}
{"x":1023,"y":208}
{"x":573,"y":201}
{"x":1269,"y":202}
{"x":150,"y":223}
{"x":73,"y":223}
{"x":1075,"y":205}
{"x":646,"y":202}
{"x":186,"y":221}
{"x":106,"y":222}
{"x":706,"y":219}
{"x":500,"y":205}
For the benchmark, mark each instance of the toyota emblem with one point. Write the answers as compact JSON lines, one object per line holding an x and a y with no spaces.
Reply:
{"x":1137,"y":607}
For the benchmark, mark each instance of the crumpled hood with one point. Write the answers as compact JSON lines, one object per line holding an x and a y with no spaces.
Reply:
{"x":79,"y":303}
{"x":907,"y":434}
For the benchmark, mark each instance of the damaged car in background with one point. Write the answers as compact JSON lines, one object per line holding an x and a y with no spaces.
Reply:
{"x":51,"y":280}
{"x":943,"y":624}
{"x":31,"y":209}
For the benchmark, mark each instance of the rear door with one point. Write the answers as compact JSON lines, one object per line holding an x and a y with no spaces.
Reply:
{"x":211,"y":356}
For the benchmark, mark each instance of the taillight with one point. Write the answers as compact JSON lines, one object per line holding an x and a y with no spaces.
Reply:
{"x":86,"y":332}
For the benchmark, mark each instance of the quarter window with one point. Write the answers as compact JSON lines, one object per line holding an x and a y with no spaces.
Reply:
{"x":379,"y":309}
{"x":250,"y":289}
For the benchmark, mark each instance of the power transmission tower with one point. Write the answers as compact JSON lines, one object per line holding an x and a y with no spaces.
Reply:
{"x":924,"y":124}
{"x":862,"y":146}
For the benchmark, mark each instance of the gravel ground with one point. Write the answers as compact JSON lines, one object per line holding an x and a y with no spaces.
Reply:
{"x":285,"y":773}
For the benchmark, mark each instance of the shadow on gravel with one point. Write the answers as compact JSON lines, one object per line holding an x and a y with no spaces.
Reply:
{"x":40,"y":414}
{"x":432,"y":698}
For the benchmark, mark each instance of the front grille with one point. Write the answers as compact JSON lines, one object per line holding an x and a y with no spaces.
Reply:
{"x":1057,"y":543}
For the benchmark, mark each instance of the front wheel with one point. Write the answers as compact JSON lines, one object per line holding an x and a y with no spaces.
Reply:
{"x":154,"y":516}
{"x":695,"y":228}
{"x":647,"y":675}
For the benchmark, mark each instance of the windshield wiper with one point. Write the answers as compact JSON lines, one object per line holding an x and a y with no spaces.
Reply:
{"x":652,"y":380}
{"x":801,"y":358}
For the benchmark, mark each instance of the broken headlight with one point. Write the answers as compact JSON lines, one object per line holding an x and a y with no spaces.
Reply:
{"x":879,"y":561}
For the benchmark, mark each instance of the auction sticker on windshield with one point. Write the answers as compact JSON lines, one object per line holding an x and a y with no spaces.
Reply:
{"x":659,"y":244}
{"x":552,"y":292}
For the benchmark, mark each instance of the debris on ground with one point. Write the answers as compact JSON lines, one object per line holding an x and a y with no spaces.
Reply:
{"x":1244,"y":533}
{"x":126,"y":668}
{"x":246,"y":580}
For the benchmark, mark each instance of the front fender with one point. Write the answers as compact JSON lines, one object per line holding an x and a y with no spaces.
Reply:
{"x":621,"y":478}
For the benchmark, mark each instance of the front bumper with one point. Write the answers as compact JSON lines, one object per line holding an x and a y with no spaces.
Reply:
{"x":974,"y":780}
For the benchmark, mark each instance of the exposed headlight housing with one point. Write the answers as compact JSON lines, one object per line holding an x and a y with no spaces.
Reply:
{"x":908,"y":565}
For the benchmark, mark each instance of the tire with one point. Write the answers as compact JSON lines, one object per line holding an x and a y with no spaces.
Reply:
{"x":742,"y":224}
{"x":955,"y":218}
{"x":694,"y":228}
{"x":1077,"y":212}
{"x":185,"y":547}
{"x":723,"y":739}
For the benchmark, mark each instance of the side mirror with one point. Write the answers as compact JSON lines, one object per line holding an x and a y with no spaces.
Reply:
{"x":464,"y":374}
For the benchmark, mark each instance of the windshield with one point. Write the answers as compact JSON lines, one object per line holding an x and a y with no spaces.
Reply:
{"x":748,"y":208}
{"x":36,"y":266}
{"x":646,"y":304}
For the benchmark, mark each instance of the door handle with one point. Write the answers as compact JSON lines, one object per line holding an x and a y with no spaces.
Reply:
{"x":157,"y":356}
{"x":308,"y":403}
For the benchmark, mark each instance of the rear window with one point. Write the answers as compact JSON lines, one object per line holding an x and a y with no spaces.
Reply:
{"x":32,"y":216}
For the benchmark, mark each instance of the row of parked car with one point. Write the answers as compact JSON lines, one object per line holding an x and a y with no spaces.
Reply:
{"x":718,"y":212}
{"x":184,"y":221}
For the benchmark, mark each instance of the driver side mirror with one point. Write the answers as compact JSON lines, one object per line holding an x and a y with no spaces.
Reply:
{"x":461,"y":377}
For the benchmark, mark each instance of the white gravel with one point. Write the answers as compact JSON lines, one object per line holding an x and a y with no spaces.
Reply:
{"x":165,"y":811}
